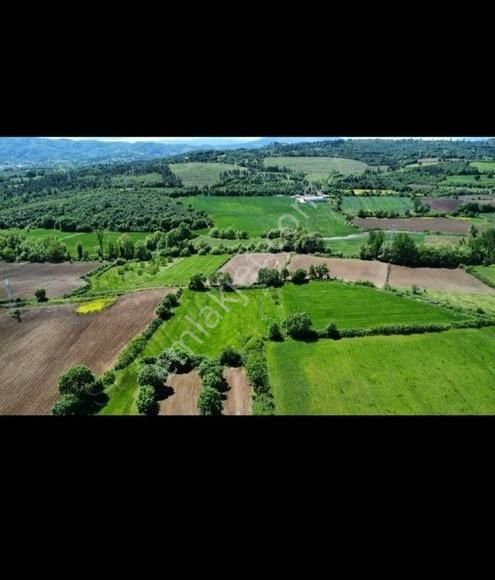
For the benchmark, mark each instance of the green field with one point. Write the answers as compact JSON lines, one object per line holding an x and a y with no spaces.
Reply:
{"x":318,"y":168}
{"x":71,"y":239}
{"x":257,"y":214}
{"x":483,"y":165}
{"x":468,"y":302}
{"x":448,"y":373}
{"x":485,"y":273}
{"x":146,"y":179}
{"x":350,"y":247}
{"x":138,"y":275}
{"x":254,"y":310}
{"x":197,"y":174}
{"x":483,"y":181}
{"x":387,"y":203}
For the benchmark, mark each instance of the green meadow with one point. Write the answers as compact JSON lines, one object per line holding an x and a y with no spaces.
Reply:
{"x":318,"y":168}
{"x":197,"y":174}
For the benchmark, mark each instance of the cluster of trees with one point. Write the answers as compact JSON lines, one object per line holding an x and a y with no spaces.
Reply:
{"x":16,"y":247}
{"x":257,"y":374}
{"x":404,"y":251}
{"x":81,"y":392}
{"x":106,"y":210}
{"x":473,"y":208}
{"x":228,"y":234}
{"x":271,"y":277}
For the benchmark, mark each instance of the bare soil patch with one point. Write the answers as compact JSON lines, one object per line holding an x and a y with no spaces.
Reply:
{"x":445,"y":225}
{"x":51,"y":339}
{"x":57,"y":279}
{"x":244,"y":268}
{"x":238,"y":395}
{"x":348,"y":269}
{"x":183,"y":393}
{"x":446,"y":204}
{"x":437,"y":279}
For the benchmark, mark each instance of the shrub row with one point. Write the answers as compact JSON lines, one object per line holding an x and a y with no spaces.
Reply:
{"x":136,"y":345}
{"x":257,"y":373}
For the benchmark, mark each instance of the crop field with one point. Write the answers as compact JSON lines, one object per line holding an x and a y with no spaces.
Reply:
{"x":442,"y":224}
{"x":57,"y":279}
{"x":350,"y":270}
{"x":135,"y":275}
{"x":449,"y":279}
{"x":94,"y":306}
{"x":71,"y":239}
{"x":444,"y":204}
{"x":350,"y":246}
{"x":51,"y":339}
{"x":483,"y":165}
{"x":318,"y":168}
{"x":485,"y":273}
{"x":197,"y":174}
{"x":451,"y":373}
{"x":373,"y":203}
{"x":472,"y":303}
{"x":483,"y":181}
{"x":257,"y":214}
{"x":207,"y":322}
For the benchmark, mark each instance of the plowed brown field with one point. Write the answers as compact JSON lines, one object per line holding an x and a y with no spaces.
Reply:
{"x":238,"y":395}
{"x":244,"y":268}
{"x":57,"y":279}
{"x":445,"y":225}
{"x":437,"y":279}
{"x":348,"y":269}
{"x":51,"y":339}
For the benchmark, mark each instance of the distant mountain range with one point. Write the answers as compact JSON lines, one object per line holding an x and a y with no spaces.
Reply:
{"x":28,"y":151}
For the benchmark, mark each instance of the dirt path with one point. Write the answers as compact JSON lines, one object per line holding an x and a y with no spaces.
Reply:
{"x":182,"y":396}
{"x":238,"y":396}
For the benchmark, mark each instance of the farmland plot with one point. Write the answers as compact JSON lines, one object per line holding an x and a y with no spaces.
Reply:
{"x":244,"y":268}
{"x":437,"y":279}
{"x":445,"y":225}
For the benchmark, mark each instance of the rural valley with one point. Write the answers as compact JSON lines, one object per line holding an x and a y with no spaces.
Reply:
{"x":327,"y":277}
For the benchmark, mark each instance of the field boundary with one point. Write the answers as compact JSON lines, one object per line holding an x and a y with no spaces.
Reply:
{"x":480,"y":277}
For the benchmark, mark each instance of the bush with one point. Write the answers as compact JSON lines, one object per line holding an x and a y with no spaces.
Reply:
{"x":210,"y":402}
{"x":76,"y":381}
{"x":108,"y":378}
{"x":163,"y":312}
{"x":152,"y":375}
{"x":299,"y":276}
{"x":230,"y":358}
{"x":213,"y":381}
{"x":298,"y":325}
{"x":210,"y":366}
{"x":68,"y":405}
{"x":269,"y":277}
{"x":40,"y":295}
{"x":177,"y":360}
{"x":222,"y":280}
{"x":149,"y":360}
{"x":197,"y":283}
{"x":274,"y":332}
{"x":332,"y":331}
{"x":263,"y":404}
{"x":147,"y":403}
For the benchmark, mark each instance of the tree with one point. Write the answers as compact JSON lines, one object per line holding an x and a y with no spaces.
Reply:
{"x":197,"y":283}
{"x":210,"y":402}
{"x":146,"y":402}
{"x":373,"y":247}
{"x":299,"y":276}
{"x":126,"y":247}
{"x":269,"y":277}
{"x":76,"y":381}
{"x":333,"y":331}
{"x":403,"y":250}
{"x":68,"y":405}
{"x":284,"y":274}
{"x":230,"y":358}
{"x":100,"y":236}
{"x":274,"y":332}
{"x":298,"y":325}
{"x":40,"y":295}
{"x":152,"y":375}
{"x":141,"y":252}
{"x":222,"y":280}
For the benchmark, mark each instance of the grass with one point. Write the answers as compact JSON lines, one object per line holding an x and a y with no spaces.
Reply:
{"x":197,"y":174}
{"x":483,"y":181}
{"x":471,"y":303}
{"x":485,"y":274}
{"x":448,"y":373}
{"x":318,"y":168}
{"x":138,"y":275}
{"x":483,"y":165}
{"x":251,"y":312}
{"x":257,"y":214}
{"x":147,"y":179}
{"x":352,"y":306}
{"x":387,"y":203}
{"x":350,"y":247}
{"x":71,"y":239}
{"x":95,"y":305}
